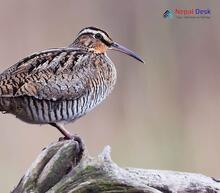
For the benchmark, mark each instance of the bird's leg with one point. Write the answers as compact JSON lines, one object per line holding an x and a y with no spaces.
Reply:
{"x":61,"y":128}
{"x":68,"y":135}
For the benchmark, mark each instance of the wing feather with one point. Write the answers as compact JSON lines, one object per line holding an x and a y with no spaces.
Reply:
{"x":50,"y":75}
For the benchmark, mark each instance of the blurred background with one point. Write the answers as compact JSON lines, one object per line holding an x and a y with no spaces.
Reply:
{"x":164,"y":114}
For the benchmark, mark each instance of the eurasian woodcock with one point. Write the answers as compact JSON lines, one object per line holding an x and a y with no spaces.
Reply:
{"x":59,"y":85}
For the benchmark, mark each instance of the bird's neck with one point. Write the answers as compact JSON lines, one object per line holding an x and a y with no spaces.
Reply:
{"x":83,"y":42}
{"x":77,"y":44}
{"x":89,"y":44}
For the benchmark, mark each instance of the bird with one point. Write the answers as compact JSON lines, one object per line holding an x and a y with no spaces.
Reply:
{"x":59,"y":85}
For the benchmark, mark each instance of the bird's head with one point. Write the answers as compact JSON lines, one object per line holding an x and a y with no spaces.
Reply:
{"x":98,"y":41}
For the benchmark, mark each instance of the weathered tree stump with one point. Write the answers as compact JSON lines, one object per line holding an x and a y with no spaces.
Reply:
{"x":63,"y":168}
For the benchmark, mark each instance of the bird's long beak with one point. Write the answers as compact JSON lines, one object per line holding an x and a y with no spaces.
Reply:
{"x":120,"y":48}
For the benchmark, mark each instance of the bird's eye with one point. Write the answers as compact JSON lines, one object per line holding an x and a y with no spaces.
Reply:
{"x":98,"y":36}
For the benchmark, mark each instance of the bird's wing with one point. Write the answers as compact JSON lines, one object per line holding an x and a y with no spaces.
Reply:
{"x":36,"y":61}
{"x":52,"y":74}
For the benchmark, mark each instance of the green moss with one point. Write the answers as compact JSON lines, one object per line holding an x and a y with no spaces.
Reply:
{"x":89,"y":169}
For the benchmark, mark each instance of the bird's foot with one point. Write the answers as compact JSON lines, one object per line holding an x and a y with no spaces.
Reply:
{"x":80,"y":147}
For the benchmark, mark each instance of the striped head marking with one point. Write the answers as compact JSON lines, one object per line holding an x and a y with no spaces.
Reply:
{"x":96,"y":40}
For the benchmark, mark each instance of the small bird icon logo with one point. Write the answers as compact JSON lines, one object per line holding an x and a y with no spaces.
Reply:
{"x":168,"y":14}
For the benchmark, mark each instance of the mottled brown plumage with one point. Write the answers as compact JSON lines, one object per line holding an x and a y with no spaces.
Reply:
{"x":57,"y":86}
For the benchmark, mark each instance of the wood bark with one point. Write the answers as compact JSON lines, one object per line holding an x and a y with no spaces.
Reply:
{"x":63,"y":167}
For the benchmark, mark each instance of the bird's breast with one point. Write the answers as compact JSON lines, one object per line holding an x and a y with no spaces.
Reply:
{"x":103,"y":78}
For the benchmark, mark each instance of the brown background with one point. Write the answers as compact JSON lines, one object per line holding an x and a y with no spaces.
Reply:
{"x":164,"y":114}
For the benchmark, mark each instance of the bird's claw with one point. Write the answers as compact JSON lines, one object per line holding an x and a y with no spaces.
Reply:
{"x":79,"y":144}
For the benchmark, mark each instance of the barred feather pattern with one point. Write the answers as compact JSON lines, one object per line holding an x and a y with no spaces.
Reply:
{"x":56,"y":85}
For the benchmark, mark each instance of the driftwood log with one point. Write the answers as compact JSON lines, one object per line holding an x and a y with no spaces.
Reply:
{"x":63,"y":167}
